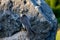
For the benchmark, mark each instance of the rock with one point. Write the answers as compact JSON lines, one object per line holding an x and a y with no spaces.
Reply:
{"x":42,"y":19}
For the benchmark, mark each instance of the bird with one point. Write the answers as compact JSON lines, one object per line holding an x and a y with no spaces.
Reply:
{"x":46,"y":11}
{"x":26,"y":23}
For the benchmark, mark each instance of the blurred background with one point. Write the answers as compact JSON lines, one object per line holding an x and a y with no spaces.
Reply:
{"x":55,"y":5}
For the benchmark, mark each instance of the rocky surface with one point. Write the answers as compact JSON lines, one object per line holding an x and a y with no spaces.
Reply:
{"x":41,"y":18}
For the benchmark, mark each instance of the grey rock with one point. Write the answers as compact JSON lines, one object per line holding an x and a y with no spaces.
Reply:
{"x":39,"y":18}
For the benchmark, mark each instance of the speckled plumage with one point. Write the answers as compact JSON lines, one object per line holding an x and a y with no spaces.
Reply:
{"x":39,"y":18}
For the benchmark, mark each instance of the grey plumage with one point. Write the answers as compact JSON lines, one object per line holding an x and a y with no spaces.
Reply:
{"x":38,"y":20}
{"x":25,"y":23}
{"x":47,"y":12}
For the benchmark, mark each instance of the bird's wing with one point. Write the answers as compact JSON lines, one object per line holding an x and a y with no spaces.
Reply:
{"x":49,"y":15}
{"x":46,"y":11}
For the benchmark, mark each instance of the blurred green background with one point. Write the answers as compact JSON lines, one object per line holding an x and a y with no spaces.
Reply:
{"x":55,"y":5}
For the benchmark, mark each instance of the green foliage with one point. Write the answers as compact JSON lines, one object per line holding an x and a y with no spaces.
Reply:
{"x":58,"y":20}
{"x":57,"y":11}
{"x":51,"y":3}
{"x":48,"y":2}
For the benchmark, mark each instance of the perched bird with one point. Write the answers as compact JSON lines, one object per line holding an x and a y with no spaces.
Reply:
{"x":25,"y":23}
{"x":47,"y":12}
